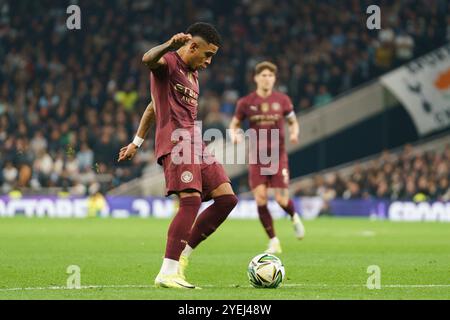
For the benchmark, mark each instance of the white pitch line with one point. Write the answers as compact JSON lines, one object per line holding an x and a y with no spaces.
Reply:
{"x":323,"y":285}
{"x":81,"y":287}
{"x":362,"y":285}
{"x":416,"y":285}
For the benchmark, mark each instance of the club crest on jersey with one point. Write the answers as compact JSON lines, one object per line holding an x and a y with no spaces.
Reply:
{"x":264,"y":107}
{"x":276,"y":106}
{"x":187,"y":177}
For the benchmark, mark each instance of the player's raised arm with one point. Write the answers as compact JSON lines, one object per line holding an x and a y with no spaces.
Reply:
{"x":235,"y":127}
{"x":154,"y":57}
{"x":293,"y":126}
{"x":128,"y":152}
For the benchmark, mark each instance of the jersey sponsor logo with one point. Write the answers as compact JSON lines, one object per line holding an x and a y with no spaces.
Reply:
{"x":263,"y":119}
{"x":188,"y":95}
{"x":187,"y":177}
{"x":186,"y":91}
{"x":276,"y":106}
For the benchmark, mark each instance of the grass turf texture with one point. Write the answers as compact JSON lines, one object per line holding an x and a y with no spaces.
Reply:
{"x":124,"y":256}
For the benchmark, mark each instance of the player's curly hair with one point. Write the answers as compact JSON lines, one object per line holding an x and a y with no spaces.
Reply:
{"x":205,"y":31}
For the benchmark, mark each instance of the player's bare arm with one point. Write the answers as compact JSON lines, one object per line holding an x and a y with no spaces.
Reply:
{"x":235,"y":135}
{"x":294,"y":129}
{"x":128,"y":152}
{"x":154,"y":57}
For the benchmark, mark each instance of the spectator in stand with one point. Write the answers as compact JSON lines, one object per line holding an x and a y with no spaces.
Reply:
{"x":85,"y":157}
{"x":9,"y":177}
{"x":404,"y":48}
{"x":323,"y":97}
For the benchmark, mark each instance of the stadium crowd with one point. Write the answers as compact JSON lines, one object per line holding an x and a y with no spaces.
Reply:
{"x":69,"y":99}
{"x":411,"y":175}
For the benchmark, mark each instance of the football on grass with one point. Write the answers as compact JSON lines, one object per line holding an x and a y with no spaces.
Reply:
{"x":265,"y":271}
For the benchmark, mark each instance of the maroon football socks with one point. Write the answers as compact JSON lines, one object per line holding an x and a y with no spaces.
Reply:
{"x":181,"y":225}
{"x":266,"y":220}
{"x":210,"y":219}
{"x":290,"y":209}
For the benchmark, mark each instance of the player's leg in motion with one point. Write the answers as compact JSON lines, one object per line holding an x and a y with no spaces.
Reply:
{"x":282,"y":197}
{"x":260,"y":194}
{"x":177,"y":237}
{"x":209,"y":220}
{"x":213,"y":216}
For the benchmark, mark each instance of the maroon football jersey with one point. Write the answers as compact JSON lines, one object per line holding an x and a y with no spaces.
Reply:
{"x":174,"y":88}
{"x":265,"y":113}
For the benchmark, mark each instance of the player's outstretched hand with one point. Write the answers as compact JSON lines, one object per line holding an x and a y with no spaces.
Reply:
{"x":236,"y":138}
{"x":128,"y":152}
{"x":293,"y":138}
{"x":179,"y":40}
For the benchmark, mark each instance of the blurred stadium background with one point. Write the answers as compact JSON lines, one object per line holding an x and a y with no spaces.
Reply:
{"x":69,"y":99}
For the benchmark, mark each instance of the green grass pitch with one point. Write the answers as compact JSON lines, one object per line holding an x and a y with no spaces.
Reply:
{"x":119,"y":259}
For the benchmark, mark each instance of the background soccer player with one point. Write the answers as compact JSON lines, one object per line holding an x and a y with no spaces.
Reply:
{"x":175,"y":90}
{"x":267,"y":109}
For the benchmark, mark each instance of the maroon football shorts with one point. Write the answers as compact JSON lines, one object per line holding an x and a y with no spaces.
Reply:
{"x":278,"y":179}
{"x":202,"y":177}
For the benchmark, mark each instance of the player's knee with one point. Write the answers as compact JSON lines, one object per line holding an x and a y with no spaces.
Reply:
{"x":191,"y":201}
{"x":234,"y":200}
{"x":230,"y":200}
{"x":261,"y":200}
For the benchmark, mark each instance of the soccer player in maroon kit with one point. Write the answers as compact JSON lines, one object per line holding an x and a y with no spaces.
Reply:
{"x":175,"y":91}
{"x":267,"y":109}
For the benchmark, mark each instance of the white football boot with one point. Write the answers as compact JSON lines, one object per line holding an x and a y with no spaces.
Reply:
{"x":299,"y":229}
{"x":173,"y":281}
{"x":274,"y":246}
